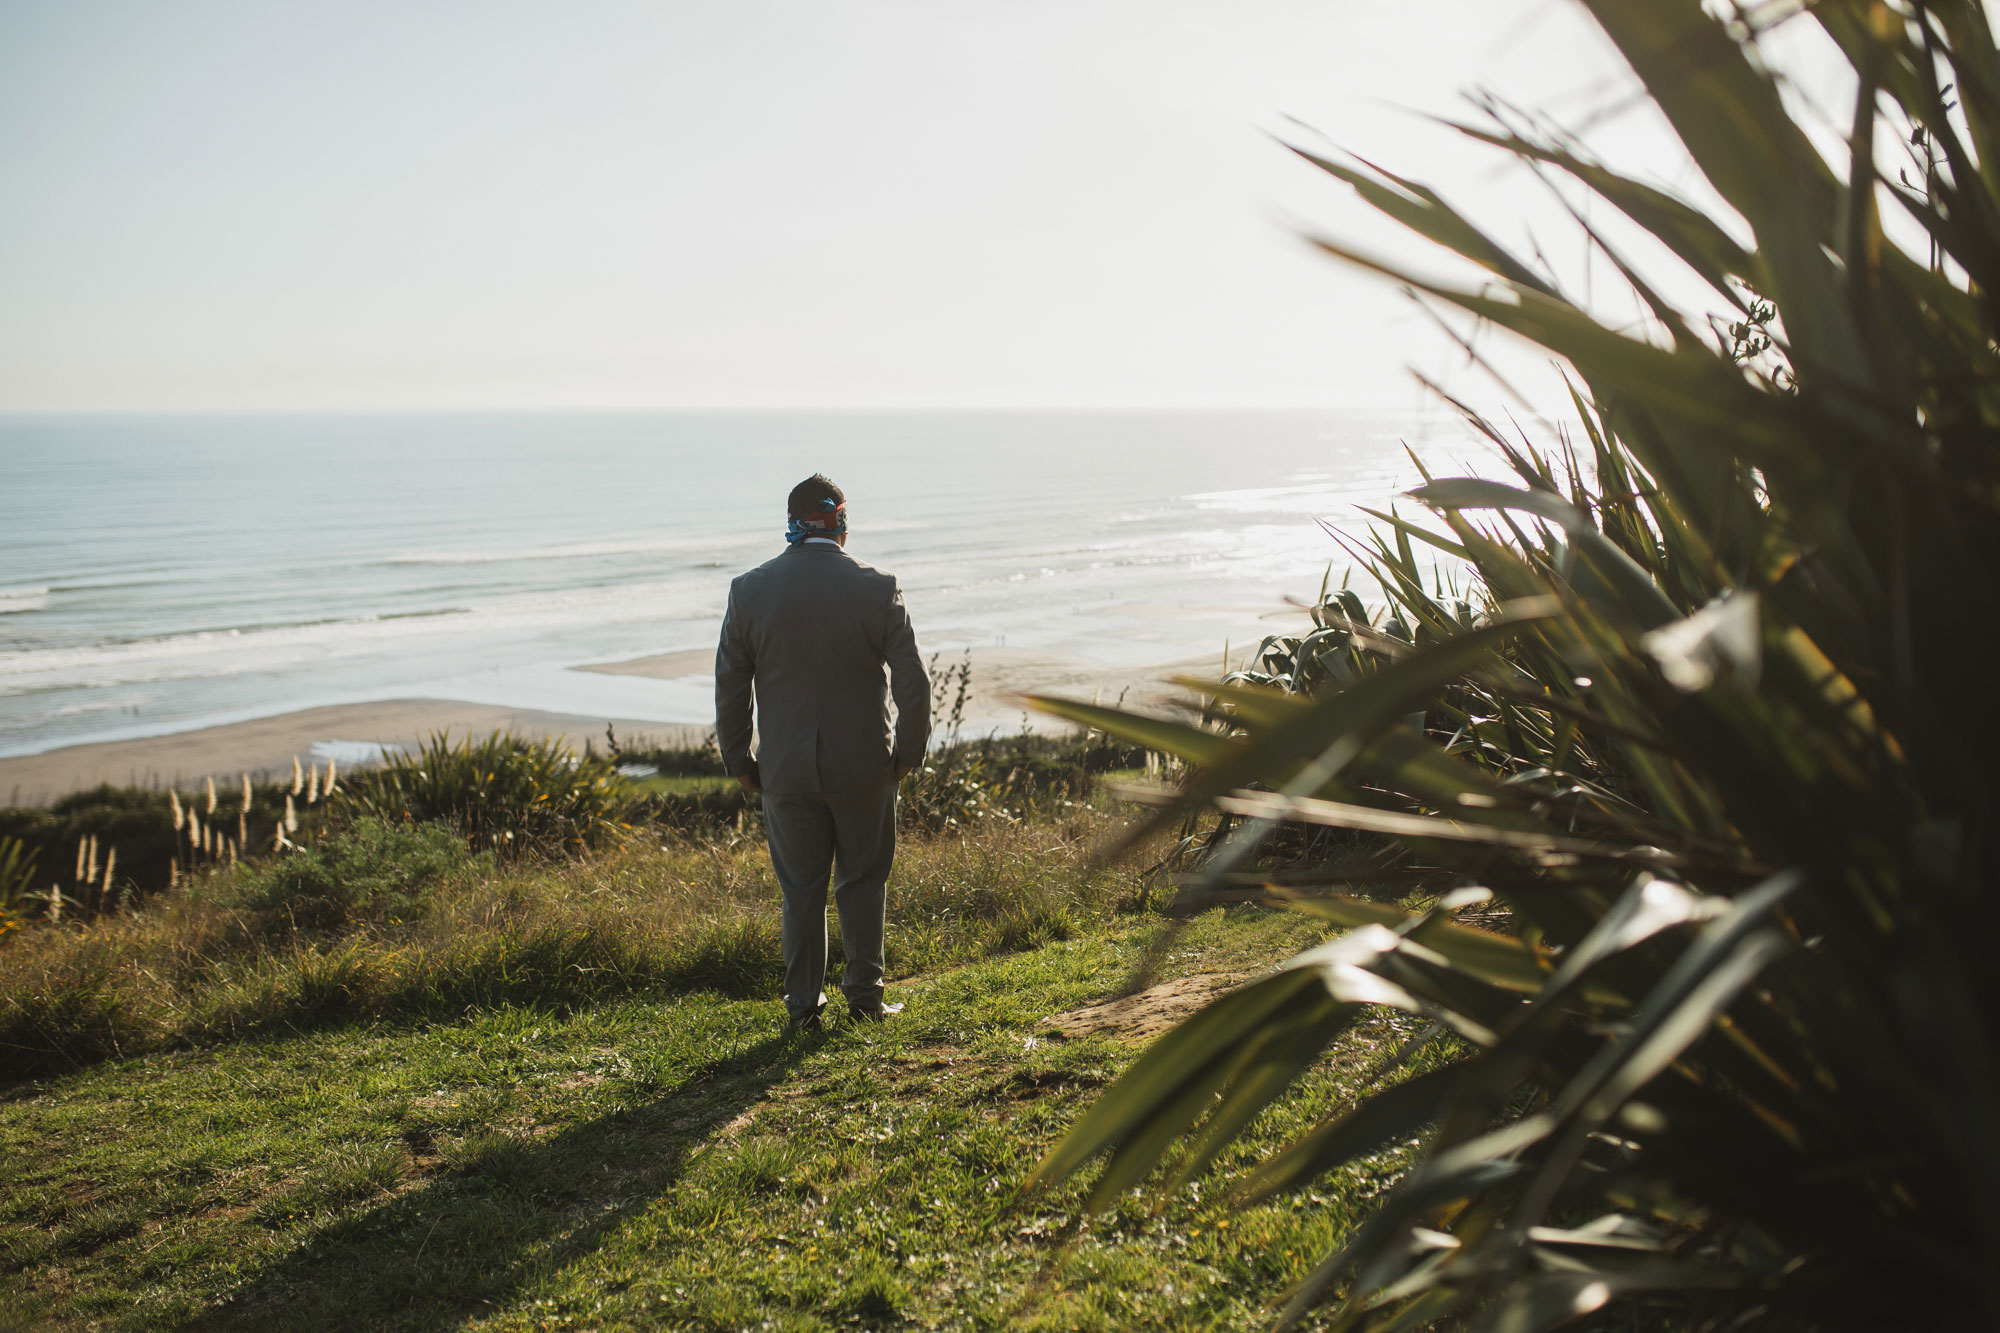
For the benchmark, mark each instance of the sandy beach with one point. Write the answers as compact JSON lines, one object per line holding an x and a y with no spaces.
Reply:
{"x":267,"y":745}
{"x":348,"y":731}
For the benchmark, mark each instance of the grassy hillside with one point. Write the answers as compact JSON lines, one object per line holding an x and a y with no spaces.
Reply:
{"x":668,"y":1161}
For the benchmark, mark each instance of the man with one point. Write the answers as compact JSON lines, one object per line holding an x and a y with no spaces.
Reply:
{"x":809,"y":634}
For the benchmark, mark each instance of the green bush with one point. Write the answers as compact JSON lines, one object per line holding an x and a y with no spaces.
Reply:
{"x":136,"y":838}
{"x":129,"y":820}
{"x":963,"y":782}
{"x":680,"y":761}
{"x":1706,"y":757}
{"x":506,"y":794}
{"x":370,"y":870}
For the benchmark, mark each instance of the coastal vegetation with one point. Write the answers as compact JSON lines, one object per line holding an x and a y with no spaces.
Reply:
{"x":1635,"y":896}
{"x":456,"y":879}
{"x":390,"y":1078}
{"x":1700,"y":752}
{"x":656,"y":1161}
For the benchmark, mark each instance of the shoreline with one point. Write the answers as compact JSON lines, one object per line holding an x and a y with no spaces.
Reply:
{"x":265,"y":746}
{"x":345,"y":732}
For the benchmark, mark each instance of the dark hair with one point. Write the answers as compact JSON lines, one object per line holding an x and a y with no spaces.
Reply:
{"x":808,"y":498}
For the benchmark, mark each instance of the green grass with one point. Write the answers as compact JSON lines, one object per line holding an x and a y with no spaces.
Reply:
{"x":347,"y":932}
{"x":672,"y":784}
{"x":661,"y":1163}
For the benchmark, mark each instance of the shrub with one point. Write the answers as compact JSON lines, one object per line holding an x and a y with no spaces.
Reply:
{"x":963,"y":782}
{"x":681,"y":761}
{"x":110,"y":847}
{"x":370,"y":870}
{"x":130,"y":821}
{"x":506,"y":794}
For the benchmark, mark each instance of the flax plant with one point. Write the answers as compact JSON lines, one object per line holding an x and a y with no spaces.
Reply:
{"x":1702,"y":757}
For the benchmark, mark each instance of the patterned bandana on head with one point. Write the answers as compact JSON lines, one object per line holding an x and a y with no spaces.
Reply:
{"x":829,"y":524}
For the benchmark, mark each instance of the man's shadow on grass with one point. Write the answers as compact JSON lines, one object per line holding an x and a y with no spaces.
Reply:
{"x":472,"y":1236}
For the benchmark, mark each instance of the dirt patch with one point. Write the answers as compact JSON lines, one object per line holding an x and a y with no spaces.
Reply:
{"x":1144,"y":1014}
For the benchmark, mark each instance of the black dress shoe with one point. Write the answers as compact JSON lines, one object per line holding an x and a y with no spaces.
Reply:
{"x":875,"y":1015}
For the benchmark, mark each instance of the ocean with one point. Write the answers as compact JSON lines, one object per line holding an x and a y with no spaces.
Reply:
{"x":159,"y":573}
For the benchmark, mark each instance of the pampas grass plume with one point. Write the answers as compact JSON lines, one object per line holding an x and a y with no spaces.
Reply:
{"x":174,"y":804}
{"x":312,"y":786}
{"x":110,"y":865}
{"x":246,"y":793}
{"x":211,"y":796}
{"x":298,"y":777}
{"x":90,"y":862}
{"x":81,"y":843}
{"x":329,"y":778}
{"x":291,"y":816}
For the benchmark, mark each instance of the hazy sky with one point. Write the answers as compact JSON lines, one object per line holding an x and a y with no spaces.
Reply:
{"x":828,"y":203}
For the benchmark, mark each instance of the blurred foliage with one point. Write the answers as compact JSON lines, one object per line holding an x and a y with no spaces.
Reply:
{"x":1703,"y":750}
{"x":17,"y":872}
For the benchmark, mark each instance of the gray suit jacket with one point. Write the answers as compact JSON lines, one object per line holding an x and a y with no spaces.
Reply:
{"x":811,"y":632}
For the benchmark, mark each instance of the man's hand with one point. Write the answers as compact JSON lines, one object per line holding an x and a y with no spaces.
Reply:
{"x":751,"y":782}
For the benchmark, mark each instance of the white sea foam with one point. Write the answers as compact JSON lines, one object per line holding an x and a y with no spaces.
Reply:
{"x":210,"y":654}
{"x":14,"y":601}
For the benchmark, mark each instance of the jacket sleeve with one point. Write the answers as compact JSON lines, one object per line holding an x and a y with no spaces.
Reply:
{"x":734,"y":669}
{"x":909,"y":683}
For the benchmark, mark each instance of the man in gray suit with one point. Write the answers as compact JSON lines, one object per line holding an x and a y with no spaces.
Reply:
{"x":809,"y":635}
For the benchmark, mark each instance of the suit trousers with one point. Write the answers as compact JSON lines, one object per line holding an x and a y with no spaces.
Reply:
{"x":849,"y":836}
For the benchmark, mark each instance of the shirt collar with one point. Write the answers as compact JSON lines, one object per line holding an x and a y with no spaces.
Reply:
{"x":819,"y":541}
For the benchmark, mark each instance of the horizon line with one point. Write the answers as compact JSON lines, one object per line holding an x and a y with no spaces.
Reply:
{"x":722,"y":409}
